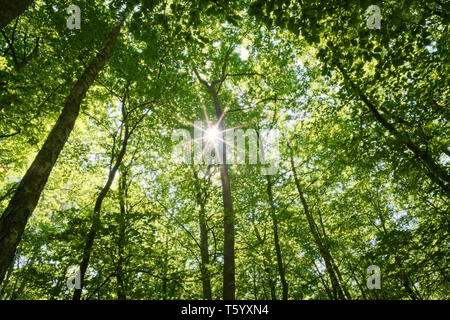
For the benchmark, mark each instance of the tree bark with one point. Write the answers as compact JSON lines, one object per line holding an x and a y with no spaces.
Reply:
{"x":333,"y":263}
{"x":96,"y":223}
{"x":326,"y":256}
{"x":434,"y":171}
{"x":7,"y":277}
{"x":229,"y":286}
{"x":228,"y":221}
{"x":276,"y":240}
{"x":26,"y":197}
{"x":11,"y":9}
{"x":17,"y":293}
{"x":204,"y":251}
{"x":121,"y":291}
{"x":267,"y":262}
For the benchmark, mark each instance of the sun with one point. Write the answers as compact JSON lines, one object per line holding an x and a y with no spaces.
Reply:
{"x":212,"y":134}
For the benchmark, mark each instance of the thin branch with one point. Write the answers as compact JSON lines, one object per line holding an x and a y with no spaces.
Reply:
{"x":10,"y":135}
{"x":245,"y":74}
{"x":201,"y":79}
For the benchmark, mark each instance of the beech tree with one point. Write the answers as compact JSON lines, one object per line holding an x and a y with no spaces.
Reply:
{"x":116,"y":140}
{"x":11,"y":10}
{"x":27,"y":194}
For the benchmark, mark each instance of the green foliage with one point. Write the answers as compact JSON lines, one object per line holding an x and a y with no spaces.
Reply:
{"x":301,"y":67}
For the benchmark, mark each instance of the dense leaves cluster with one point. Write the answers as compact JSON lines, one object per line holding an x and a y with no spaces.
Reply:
{"x":363,"y":177}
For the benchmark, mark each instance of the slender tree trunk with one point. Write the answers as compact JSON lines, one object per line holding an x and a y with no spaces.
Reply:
{"x":22,"y":65}
{"x":435,"y":172}
{"x":229,"y":287}
{"x":267,"y":261}
{"x":405,"y":280}
{"x":95,"y":226}
{"x":8,"y":276}
{"x":204,"y":251}
{"x":358,"y":283}
{"x":56,"y":290}
{"x":255,"y":287}
{"x":337,"y":290}
{"x":276,"y":240}
{"x":165,"y":268}
{"x":11,"y":9}
{"x":324,"y":283}
{"x":206,"y":278}
{"x":228,"y":250}
{"x":339,"y":275}
{"x":16,"y":294}
{"x":404,"y":277}
{"x":26,"y":197}
{"x":121,"y":291}
{"x":274,"y":218}
{"x":333,"y":263}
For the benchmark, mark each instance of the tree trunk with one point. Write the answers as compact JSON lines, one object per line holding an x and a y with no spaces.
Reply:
{"x":255,"y":286}
{"x":26,"y":197}
{"x":121,"y":291}
{"x":274,"y":218}
{"x":267,"y":261}
{"x":337,"y":290}
{"x":204,"y":251}
{"x":228,"y":250}
{"x":339,"y":276}
{"x":324,"y":282}
{"x":60,"y":283}
{"x":8,"y":276}
{"x":276,"y":240}
{"x":405,"y":280}
{"x":95,"y":226}
{"x":354,"y":275}
{"x":404,"y":277}
{"x":434,"y":171}
{"x":33,"y":54}
{"x":206,"y":279}
{"x":333,"y":263}
{"x":165,"y":268}
{"x":16,"y":294}
{"x":11,"y":9}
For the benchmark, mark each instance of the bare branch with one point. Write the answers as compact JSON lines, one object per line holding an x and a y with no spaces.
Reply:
{"x":245,"y":74}
{"x":201,"y":79}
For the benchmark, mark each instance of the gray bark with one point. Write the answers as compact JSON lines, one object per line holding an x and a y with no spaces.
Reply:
{"x":26,"y":197}
{"x":11,"y":9}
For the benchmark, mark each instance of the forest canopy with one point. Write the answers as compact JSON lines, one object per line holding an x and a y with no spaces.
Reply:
{"x":207,"y":149}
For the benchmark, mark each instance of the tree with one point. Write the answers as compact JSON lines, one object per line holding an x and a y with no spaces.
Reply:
{"x":11,"y":10}
{"x":26,"y":196}
{"x":356,"y":176}
{"x":228,"y":217}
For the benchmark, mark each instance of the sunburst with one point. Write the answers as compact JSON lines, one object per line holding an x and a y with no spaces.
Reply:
{"x":212,"y":134}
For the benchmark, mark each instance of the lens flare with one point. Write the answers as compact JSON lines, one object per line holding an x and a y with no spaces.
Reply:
{"x":212,"y":134}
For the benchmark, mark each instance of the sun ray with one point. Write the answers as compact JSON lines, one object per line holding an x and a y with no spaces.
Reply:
{"x":217,"y":138}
